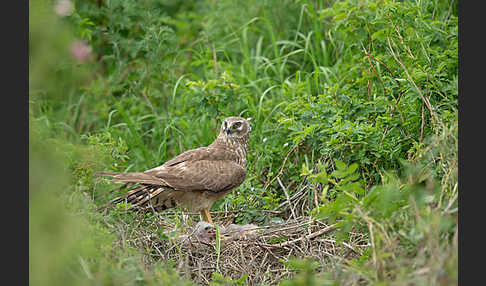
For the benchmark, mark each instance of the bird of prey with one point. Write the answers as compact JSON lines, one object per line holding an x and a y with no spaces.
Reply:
{"x":194,"y":179}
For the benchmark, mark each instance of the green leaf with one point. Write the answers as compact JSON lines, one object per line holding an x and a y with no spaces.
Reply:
{"x":324,"y":193}
{"x":352,"y":168}
{"x":380,"y":34}
{"x":305,"y":171}
{"x":339,"y":174}
{"x":319,"y":178}
{"x":340,"y":165}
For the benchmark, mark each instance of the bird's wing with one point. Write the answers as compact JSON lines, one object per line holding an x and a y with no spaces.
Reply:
{"x":201,"y":175}
{"x":190,"y":155}
{"x":202,"y":153}
{"x":191,"y":168}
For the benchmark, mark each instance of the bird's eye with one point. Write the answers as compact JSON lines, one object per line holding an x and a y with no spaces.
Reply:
{"x":237,"y":124}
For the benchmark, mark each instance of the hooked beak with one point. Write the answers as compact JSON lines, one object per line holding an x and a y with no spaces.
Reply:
{"x":228,"y":129}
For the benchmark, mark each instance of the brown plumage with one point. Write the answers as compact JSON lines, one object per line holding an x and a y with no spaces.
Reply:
{"x":194,"y":179}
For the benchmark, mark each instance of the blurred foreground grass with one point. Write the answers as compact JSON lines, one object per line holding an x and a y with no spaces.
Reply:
{"x":69,"y":243}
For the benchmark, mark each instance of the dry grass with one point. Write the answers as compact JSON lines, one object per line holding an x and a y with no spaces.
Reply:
{"x":261,"y":254}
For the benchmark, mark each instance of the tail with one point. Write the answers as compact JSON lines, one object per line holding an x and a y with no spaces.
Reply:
{"x":145,"y":192}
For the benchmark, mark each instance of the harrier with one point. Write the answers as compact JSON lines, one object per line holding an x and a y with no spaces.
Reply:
{"x":194,"y":179}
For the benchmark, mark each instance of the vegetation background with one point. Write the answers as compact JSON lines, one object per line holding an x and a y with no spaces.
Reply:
{"x":354,"y":100}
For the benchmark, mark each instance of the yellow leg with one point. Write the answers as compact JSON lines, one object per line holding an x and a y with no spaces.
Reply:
{"x":207,"y":216}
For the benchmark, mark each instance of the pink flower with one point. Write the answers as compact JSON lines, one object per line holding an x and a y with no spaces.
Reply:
{"x":81,"y":51}
{"x":64,"y":8}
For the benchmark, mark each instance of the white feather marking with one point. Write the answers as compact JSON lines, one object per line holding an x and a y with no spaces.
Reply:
{"x":183,"y":165}
{"x":159,"y":168}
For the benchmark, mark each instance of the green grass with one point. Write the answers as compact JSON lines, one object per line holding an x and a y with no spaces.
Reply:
{"x":367,"y":90}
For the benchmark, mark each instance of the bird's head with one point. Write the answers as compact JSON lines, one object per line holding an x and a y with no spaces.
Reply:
{"x":238,"y":127}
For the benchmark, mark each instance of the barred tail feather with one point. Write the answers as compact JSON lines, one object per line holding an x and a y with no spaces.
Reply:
{"x":147,"y":192}
{"x":148,"y":197}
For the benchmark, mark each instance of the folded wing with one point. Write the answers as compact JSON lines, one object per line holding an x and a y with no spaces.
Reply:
{"x":200,"y":175}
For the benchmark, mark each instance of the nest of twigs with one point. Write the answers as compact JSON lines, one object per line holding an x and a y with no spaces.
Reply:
{"x":260,"y":252}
